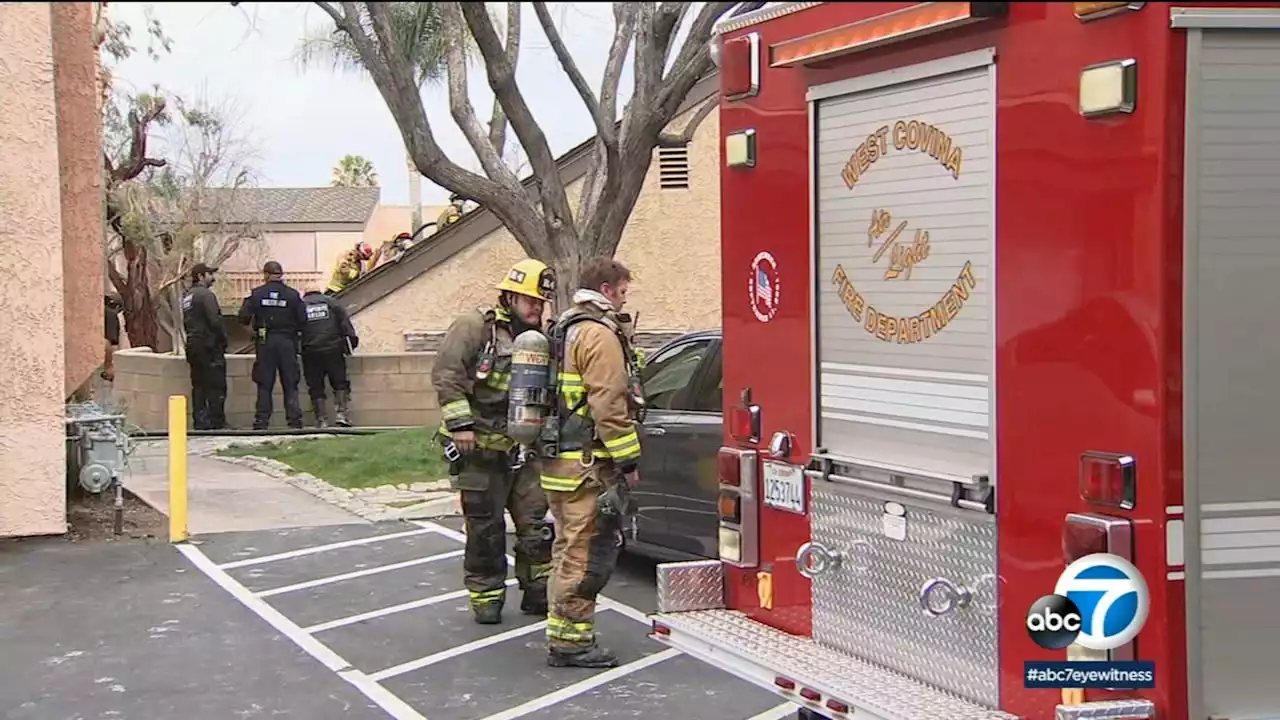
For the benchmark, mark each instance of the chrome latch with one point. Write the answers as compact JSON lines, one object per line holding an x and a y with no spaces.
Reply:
{"x":941,"y":596}
{"x":814,"y":559}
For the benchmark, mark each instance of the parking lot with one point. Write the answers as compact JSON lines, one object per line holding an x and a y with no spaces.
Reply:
{"x":382,"y":606}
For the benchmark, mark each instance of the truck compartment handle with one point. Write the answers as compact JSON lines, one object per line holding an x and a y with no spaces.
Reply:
{"x":814,"y":559}
{"x":914,"y":493}
{"x":941,"y":596}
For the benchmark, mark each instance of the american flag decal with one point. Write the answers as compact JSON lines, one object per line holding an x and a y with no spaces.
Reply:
{"x":764,"y":291}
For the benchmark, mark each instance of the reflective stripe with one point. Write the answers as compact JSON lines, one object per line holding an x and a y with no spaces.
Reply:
{"x":498,"y":381}
{"x":540,"y":571}
{"x":567,"y":631}
{"x":559,"y":484}
{"x":456,"y":410}
{"x":484,"y":441}
{"x":488,"y":596}
{"x":626,"y":447}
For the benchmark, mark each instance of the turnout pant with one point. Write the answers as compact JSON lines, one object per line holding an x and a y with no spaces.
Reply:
{"x":277,"y":356}
{"x":583,"y":558}
{"x":488,"y":486}
{"x":331,"y":364}
{"x":208,"y":365}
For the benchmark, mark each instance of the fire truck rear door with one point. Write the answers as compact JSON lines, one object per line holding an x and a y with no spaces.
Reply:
{"x":1231,"y":362}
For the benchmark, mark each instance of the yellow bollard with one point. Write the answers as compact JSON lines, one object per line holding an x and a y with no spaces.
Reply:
{"x":177,"y":468}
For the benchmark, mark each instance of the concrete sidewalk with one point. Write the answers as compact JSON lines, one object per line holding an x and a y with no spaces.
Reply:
{"x":223,"y":497}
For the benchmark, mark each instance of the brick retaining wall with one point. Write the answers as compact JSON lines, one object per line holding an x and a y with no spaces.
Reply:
{"x":387,"y":390}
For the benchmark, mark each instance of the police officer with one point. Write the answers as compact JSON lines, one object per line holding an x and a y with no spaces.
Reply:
{"x":206,"y":350}
{"x":595,"y":459}
{"x":471,"y":376}
{"x":277,"y":315}
{"x":327,"y":338}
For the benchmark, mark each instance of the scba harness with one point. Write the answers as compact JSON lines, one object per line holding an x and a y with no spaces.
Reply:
{"x":566,"y":430}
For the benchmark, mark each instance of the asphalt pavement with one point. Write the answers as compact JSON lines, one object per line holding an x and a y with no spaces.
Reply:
{"x":348,"y":621}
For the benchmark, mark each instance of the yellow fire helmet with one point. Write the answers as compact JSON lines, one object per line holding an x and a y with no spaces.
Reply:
{"x":531,"y":278}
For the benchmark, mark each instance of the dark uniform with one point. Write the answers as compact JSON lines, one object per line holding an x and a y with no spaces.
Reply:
{"x":327,"y":339}
{"x":206,"y":351}
{"x":277,"y":315}
{"x":471,"y":375}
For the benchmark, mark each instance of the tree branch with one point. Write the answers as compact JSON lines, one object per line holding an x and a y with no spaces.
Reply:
{"x":598,"y":170}
{"x":137,"y":160}
{"x":395,"y":82}
{"x":502,"y":79}
{"x":498,"y":118}
{"x":460,"y":104}
{"x":685,"y":136}
{"x":604,"y":126}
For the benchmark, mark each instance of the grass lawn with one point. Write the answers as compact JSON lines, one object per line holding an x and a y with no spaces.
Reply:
{"x":358,"y":461}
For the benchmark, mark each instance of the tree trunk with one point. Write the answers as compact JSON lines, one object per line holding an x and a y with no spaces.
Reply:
{"x":141,"y":322}
{"x":415,"y":192}
{"x":567,"y":263}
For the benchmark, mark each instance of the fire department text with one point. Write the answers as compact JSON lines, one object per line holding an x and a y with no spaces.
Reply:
{"x":1108,"y":675}
{"x":905,"y":330}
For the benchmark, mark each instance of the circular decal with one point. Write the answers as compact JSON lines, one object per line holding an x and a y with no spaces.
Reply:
{"x":764,"y":286}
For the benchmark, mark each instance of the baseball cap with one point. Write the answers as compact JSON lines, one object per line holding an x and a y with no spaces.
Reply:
{"x":200,"y":269}
{"x":272,"y":268}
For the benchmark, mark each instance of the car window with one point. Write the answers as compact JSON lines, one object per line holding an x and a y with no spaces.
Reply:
{"x":669,"y":373}
{"x":710,"y":391}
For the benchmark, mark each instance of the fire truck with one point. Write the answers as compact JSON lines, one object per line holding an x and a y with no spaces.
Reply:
{"x":998,"y":279}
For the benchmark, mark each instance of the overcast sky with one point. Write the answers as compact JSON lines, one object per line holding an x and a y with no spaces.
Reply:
{"x":302,"y":122}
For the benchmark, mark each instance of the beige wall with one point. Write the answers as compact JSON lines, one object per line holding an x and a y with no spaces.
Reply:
{"x":392,"y":390}
{"x":389,"y":220}
{"x":296,"y":251}
{"x":668,"y":230}
{"x":50,"y":143}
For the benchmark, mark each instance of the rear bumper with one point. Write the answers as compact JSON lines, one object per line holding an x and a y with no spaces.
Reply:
{"x":691,"y":617}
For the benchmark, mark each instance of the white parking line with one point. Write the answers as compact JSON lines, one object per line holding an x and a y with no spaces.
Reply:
{"x":578,"y":688}
{"x":322,"y":548}
{"x":453,"y":652}
{"x":785,"y":710}
{"x":394,"y":706}
{"x":359,"y":573}
{"x":602,"y":600}
{"x":392,"y":610}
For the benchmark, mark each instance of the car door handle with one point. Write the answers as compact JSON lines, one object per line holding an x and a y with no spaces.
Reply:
{"x":655,"y":431}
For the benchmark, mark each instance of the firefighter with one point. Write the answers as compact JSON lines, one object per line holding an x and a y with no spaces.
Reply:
{"x":276,"y":313}
{"x":471,"y":376}
{"x":206,"y":350}
{"x":452,"y":212}
{"x":327,"y":338}
{"x":351,"y":265}
{"x":594,"y":461}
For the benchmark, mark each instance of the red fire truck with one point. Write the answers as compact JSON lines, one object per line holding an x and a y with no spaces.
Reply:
{"x":990,"y":273}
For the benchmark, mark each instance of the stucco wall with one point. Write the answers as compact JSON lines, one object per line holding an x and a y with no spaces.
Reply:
{"x":672,"y":244}
{"x":391,"y":390}
{"x":32,"y":446}
{"x":80,"y":153}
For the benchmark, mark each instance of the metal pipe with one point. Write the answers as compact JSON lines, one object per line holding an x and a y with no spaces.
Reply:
{"x":160,"y":434}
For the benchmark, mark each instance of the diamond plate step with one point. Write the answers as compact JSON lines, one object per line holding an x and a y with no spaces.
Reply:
{"x":757,"y":653}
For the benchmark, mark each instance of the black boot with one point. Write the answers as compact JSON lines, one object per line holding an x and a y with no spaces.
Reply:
{"x":488,"y":613}
{"x":534,"y":602}
{"x":592,"y":657}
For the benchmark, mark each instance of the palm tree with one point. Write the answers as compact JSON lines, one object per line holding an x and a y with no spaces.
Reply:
{"x":419,"y":33}
{"x":354,"y":171}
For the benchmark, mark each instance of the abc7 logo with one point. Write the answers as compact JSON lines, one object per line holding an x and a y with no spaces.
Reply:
{"x":1100,"y":603}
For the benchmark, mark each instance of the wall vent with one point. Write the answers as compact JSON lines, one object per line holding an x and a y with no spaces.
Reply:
{"x":673,"y":167}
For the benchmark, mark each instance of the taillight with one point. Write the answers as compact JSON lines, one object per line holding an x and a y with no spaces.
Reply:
{"x":784,"y":683}
{"x":736,"y":507}
{"x":811,"y":695}
{"x":743,"y":419}
{"x":730,"y":506}
{"x":1109,"y":479}
{"x":729,"y":466}
{"x":837,"y":706}
{"x":1079,"y":540}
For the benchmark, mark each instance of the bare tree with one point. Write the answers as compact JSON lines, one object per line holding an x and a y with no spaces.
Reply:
{"x":172,"y":172}
{"x":540,"y":215}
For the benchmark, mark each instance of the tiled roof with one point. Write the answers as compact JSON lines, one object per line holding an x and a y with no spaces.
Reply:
{"x":312,"y":205}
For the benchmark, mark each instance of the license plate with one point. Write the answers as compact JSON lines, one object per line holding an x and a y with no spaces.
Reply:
{"x":784,"y":487}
